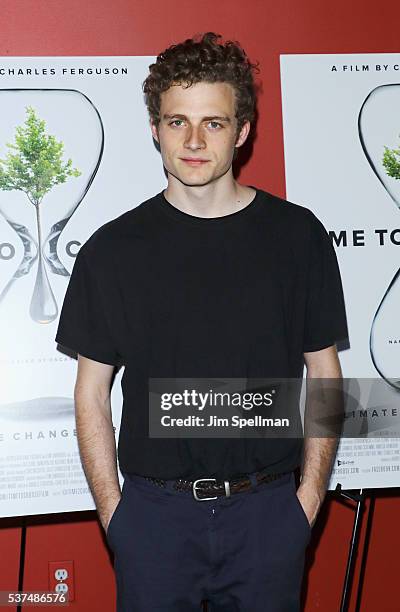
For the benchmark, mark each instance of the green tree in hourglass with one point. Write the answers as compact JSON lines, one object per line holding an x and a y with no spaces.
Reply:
{"x":34,"y":167}
{"x":391,"y":162}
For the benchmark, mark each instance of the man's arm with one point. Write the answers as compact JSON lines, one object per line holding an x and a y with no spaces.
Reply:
{"x":319,"y":453}
{"x":96,"y":434}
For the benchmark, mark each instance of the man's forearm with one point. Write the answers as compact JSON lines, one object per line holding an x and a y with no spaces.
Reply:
{"x":318,"y":457}
{"x":324,"y":407}
{"x":96,"y":442}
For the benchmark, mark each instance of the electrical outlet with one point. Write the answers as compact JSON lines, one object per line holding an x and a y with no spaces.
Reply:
{"x":61,"y":574}
{"x":61,"y":578}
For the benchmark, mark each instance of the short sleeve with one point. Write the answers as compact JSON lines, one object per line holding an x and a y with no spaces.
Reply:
{"x":325,"y":318}
{"x":83,"y":326}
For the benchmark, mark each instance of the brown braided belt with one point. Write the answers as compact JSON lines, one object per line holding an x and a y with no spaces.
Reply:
{"x":210,"y":487}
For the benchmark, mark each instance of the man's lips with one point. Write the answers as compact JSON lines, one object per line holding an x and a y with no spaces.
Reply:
{"x":192,"y":161}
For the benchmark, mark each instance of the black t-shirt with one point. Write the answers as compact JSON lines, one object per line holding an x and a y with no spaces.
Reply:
{"x":171,"y":295}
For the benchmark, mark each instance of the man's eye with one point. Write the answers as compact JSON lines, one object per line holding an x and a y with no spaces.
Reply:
{"x":175,"y":121}
{"x":214,"y":125}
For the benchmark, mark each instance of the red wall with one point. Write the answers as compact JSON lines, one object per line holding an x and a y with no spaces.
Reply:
{"x":265,"y":28}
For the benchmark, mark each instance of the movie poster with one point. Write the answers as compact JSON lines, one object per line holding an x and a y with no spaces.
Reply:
{"x":342,"y":160}
{"x":76,"y":151}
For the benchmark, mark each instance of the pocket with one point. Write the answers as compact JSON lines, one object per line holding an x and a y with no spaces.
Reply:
{"x":300,"y":511}
{"x":114,"y":514}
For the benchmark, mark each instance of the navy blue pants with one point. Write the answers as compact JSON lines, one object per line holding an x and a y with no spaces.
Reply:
{"x":243,"y":553}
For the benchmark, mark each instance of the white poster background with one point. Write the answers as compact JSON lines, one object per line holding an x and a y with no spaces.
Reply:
{"x":95,"y":106}
{"x":328,"y":171}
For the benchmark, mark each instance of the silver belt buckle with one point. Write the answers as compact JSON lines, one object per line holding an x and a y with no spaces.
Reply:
{"x":195,"y":492}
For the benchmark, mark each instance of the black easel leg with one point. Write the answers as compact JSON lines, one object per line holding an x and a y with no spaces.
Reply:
{"x":22,"y":560}
{"x":368,"y":531}
{"x":353,"y":545}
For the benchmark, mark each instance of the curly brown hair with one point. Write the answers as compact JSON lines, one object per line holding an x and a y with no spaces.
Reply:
{"x":202,"y":58}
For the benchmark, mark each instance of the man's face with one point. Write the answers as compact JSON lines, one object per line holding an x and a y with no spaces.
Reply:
{"x":197,"y":132}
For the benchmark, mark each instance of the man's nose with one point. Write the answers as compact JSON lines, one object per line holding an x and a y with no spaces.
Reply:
{"x":195,"y":139}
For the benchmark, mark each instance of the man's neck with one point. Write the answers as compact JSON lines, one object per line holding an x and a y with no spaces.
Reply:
{"x":216,"y":199}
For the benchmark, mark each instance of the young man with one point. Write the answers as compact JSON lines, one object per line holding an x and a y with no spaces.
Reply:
{"x":207,"y":279}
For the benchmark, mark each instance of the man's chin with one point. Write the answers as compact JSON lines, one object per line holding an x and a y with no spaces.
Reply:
{"x":194,"y":181}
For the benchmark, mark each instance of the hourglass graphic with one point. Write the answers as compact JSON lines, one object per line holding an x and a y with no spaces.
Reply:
{"x":55,"y":164}
{"x":379,"y":132}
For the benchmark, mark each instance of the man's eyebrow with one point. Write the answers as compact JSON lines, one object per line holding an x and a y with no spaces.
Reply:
{"x":208,"y":118}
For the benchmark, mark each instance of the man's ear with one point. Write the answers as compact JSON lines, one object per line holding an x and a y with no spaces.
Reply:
{"x":244,"y":132}
{"x":154,"y":131}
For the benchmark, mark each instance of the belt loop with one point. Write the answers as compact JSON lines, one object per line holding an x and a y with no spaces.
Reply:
{"x":253,"y":479}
